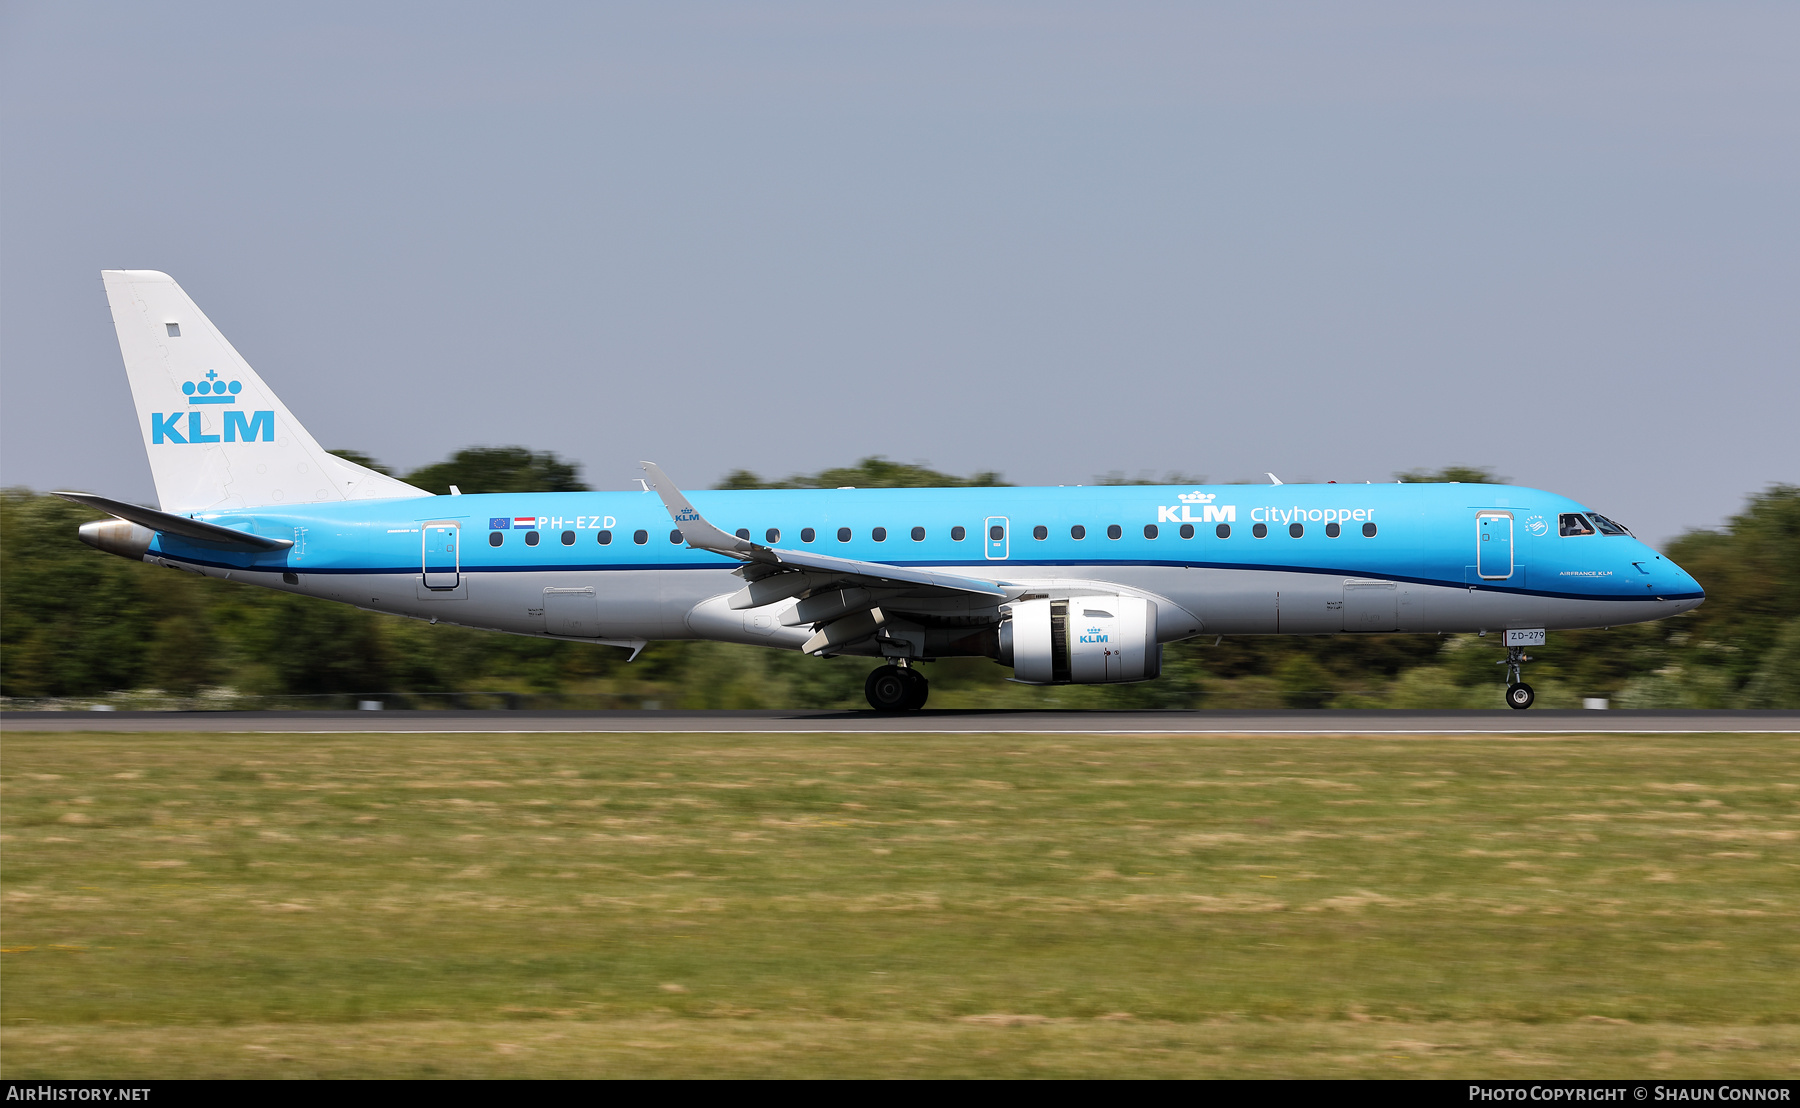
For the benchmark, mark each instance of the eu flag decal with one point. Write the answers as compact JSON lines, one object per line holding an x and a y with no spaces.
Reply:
{"x":499,"y":523}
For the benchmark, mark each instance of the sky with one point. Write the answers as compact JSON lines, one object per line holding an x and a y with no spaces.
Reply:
{"x":1328,"y":241}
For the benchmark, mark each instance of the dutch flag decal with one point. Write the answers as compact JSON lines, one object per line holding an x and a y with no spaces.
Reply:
{"x":524,"y":521}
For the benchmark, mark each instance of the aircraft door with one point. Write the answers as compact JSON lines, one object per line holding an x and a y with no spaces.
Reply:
{"x":997,"y":539}
{"x":1494,"y":545}
{"x":443,"y":556}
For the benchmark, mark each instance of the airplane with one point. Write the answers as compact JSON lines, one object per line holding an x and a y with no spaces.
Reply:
{"x":1065,"y":585}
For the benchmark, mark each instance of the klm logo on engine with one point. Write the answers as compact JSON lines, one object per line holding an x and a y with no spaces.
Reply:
{"x":1184,"y":511}
{"x":236,"y":425}
{"x":1094,"y":634}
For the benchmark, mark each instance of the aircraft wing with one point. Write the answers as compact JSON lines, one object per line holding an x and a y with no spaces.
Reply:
{"x":192,"y":529}
{"x":879,"y":575}
{"x":702,"y":535}
{"x":842,"y":598}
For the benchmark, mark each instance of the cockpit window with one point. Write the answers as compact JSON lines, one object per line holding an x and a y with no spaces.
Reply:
{"x":1607,"y":526}
{"x":1573,"y":523}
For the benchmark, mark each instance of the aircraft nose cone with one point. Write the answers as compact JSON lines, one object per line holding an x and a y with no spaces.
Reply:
{"x":1677,"y":583}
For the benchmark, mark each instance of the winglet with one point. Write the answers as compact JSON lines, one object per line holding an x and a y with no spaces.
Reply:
{"x":1274,"y":480}
{"x":699,"y":534}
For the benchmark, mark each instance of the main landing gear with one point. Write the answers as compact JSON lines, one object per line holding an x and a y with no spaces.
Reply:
{"x":896,"y":689}
{"x":1518,"y":693}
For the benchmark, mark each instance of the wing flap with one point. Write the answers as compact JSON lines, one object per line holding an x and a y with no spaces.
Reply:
{"x":845,"y":631}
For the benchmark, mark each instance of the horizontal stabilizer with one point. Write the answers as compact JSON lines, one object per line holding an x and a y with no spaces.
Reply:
{"x":191,"y":529}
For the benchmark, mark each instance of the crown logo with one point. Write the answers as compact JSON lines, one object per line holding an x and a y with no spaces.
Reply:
{"x":212,"y":390}
{"x":1197,"y":497}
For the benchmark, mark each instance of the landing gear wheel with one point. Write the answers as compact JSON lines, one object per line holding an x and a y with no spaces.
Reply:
{"x":890,"y":689}
{"x":921,"y":689}
{"x":1519,"y":696}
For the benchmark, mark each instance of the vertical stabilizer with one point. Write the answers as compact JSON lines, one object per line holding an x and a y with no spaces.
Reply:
{"x":217,"y":436}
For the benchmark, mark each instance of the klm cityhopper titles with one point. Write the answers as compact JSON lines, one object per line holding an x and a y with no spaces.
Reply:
{"x":1064,"y":585}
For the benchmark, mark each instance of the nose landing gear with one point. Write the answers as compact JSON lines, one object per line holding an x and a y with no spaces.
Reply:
{"x":896,"y":689}
{"x":1518,"y":693}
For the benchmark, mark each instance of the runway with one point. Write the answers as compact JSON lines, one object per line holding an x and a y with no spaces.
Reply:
{"x":946,"y":722}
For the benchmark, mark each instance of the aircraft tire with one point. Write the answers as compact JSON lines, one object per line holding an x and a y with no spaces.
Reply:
{"x":889,"y":689}
{"x":1519,"y":696}
{"x":921,"y":690}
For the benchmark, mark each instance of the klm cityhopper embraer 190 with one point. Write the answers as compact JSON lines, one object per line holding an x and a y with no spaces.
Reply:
{"x":1064,"y":585}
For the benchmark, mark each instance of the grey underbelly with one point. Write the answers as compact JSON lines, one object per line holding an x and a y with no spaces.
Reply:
{"x":660,"y":604}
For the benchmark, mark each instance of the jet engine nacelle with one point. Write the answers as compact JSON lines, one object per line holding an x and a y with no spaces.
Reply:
{"x":1084,"y":640}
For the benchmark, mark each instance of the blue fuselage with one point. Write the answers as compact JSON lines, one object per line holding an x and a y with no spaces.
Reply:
{"x":1222,"y":559}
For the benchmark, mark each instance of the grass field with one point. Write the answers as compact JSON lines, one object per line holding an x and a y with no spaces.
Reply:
{"x":644,"y":905}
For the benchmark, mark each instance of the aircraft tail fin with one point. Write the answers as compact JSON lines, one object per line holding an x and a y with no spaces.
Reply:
{"x":217,"y":436}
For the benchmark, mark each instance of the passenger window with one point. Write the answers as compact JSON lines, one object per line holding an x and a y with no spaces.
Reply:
{"x":495,"y":538}
{"x":918,"y":534}
{"x":957,"y":534}
{"x":1296,"y":529}
{"x":1571,"y":524}
{"x":743,"y":533}
{"x":568,"y":538}
{"x":1078,"y":532}
{"x":1187,"y":530}
{"x":1261,"y":530}
{"x":1223,"y":530}
{"x":1113,"y":531}
{"x":1332,"y":530}
{"x":996,"y":532}
{"x":640,"y":537}
{"x":1149,"y":530}
{"x":1368,"y":530}
{"x":772,"y":535}
{"x":1040,"y":532}
{"x":604,"y":538}
{"x":879,"y":534}
{"x":1607,"y":526}
{"x":843,"y":534}
{"x":675,"y":537}
{"x":807,"y":534}
{"x":531,"y":538}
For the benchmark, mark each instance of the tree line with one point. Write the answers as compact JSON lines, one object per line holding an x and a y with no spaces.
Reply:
{"x":76,"y":623}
